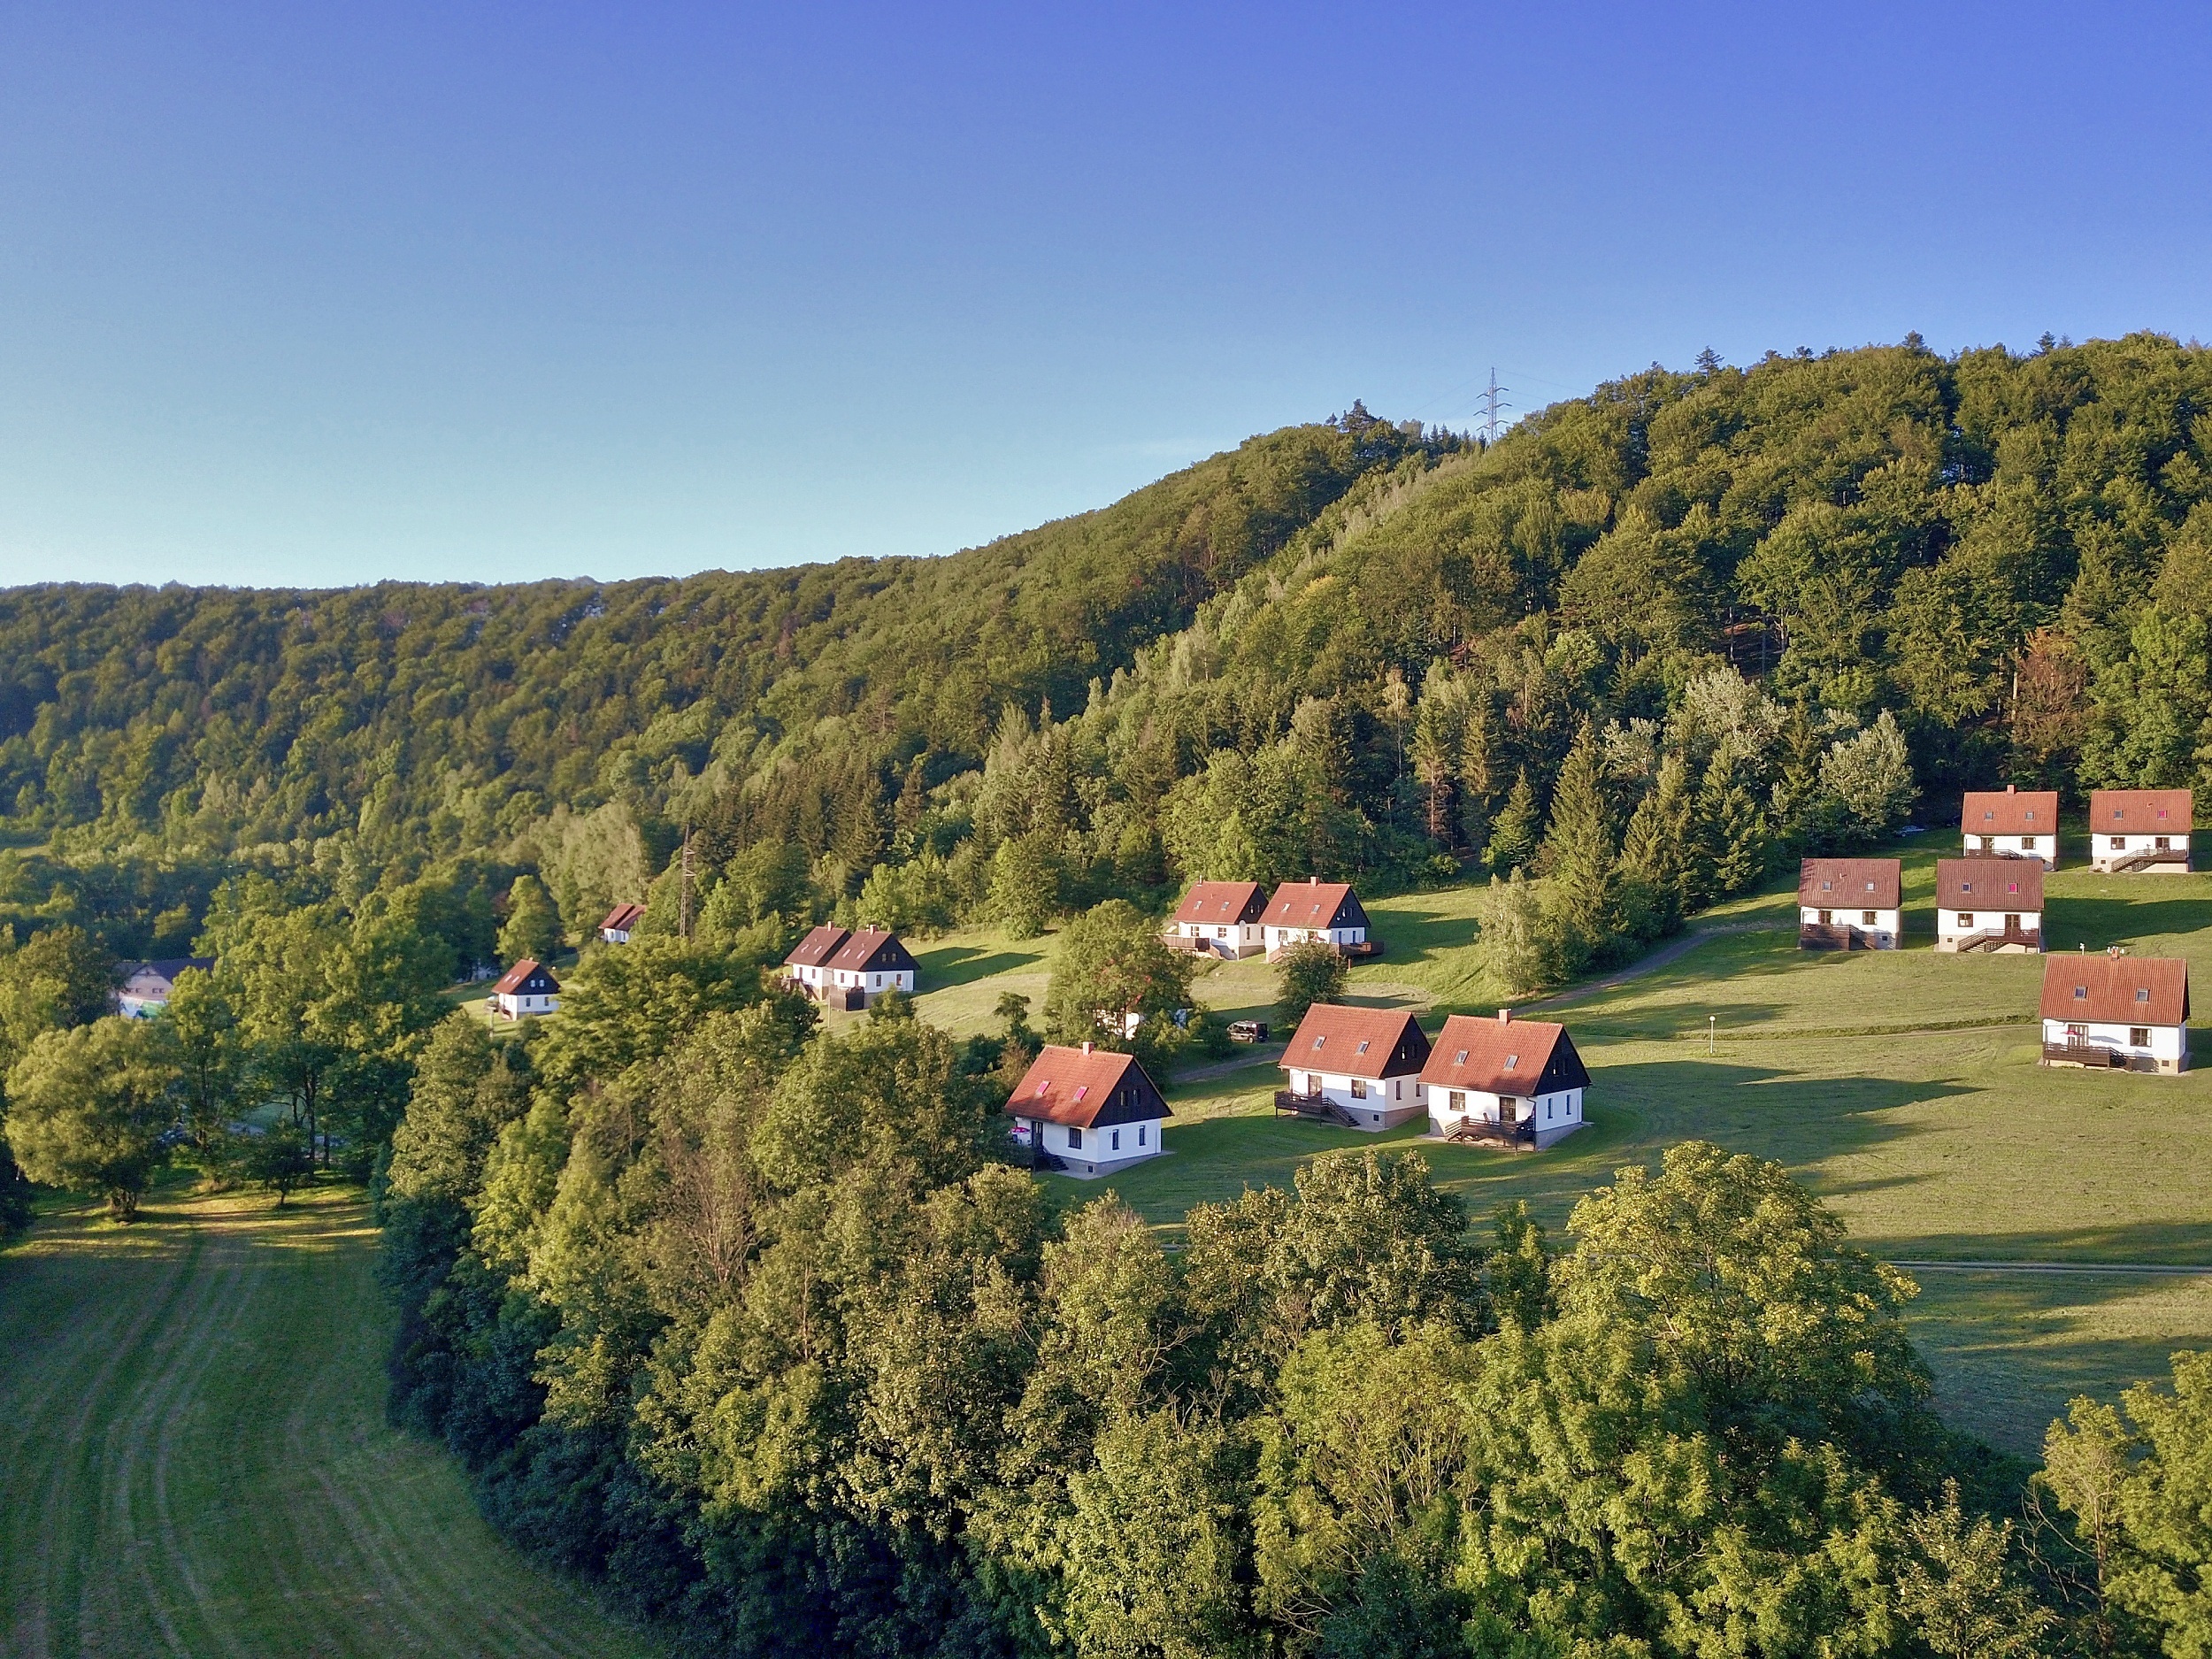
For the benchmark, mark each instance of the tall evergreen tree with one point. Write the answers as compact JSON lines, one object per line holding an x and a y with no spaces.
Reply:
{"x":1579,"y":855}
{"x":1513,"y":837}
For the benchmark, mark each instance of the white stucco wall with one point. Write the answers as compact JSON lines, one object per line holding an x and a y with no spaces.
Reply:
{"x":1950,"y":929}
{"x":515,"y":1007}
{"x":1232,"y":936}
{"x":1882,"y":933}
{"x":2169,"y":1045}
{"x":2104,"y":849}
{"x":1279,"y":937}
{"x":1139,"y":1140}
{"x":1554,"y":1110}
{"x":2043,"y":847}
{"x":1388,"y":1101}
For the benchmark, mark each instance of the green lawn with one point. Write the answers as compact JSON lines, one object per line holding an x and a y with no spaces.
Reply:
{"x":199,"y":1463}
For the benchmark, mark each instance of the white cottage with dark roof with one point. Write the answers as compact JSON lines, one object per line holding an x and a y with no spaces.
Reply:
{"x":1316,"y":911}
{"x":526,"y":990}
{"x":1357,"y":1066}
{"x":1516,"y":1080}
{"x":1086,"y":1112}
{"x":2117,"y":1012}
{"x":1220,"y":918}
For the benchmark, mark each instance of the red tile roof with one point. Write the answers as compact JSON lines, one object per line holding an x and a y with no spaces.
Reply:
{"x":1086,"y":1090}
{"x":1870,"y":884}
{"x":622,"y":919}
{"x":1989,"y":884}
{"x":1519,"y":1057}
{"x":2139,"y":811}
{"x":1357,"y":1042}
{"x":2117,"y":990}
{"x":1221,"y":901}
{"x":871,"y":948}
{"x":815,"y":950}
{"x":516,"y":977}
{"x":1314,"y":904}
{"x":2009,"y":812}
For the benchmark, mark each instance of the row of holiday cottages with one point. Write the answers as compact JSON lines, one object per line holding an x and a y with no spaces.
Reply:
{"x":1505,"y":1081}
{"x":2145,"y":830}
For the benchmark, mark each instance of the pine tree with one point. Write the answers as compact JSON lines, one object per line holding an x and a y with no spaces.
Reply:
{"x":1513,"y":838}
{"x":1476,"y":785}
{"x":1580,"y":856}
{"x":1730,"y":838}
{"x":1655,"y":850}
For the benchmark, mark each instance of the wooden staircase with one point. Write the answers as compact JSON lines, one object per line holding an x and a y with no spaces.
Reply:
{"x":1313,"y":1108}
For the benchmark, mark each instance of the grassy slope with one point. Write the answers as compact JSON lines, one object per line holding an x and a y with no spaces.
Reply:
{"x":199,"y":1462}
{"x":1902,"y":1085}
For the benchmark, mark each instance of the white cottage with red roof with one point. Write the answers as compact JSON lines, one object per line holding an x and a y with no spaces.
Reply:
{"x":1357,"y":1066}
{"x":849,"y":968}
{"x":2010,"y":823}
{"x":526,"y":989}
{"x":1086,"y":1112}
{"x":2140,"y":830}
{"x":1221,"y":918}
{"x":620,"y":923}
{"x":1850,"y":904}
{"x":1314,"y":910}
{"x":1992,"y":905}
{"x":1518,"y":1080}
{"x":147,"y":986}
{"x":2117,"y":1012}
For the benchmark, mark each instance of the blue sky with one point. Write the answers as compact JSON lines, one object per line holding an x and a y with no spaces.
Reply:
{"x":308,"y":294}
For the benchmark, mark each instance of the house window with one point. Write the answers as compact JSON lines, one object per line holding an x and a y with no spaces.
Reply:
{"x":1463,"y":1058}
{"x":1869,"y":917}
{"x":2161,"y":843}
{"x":1459,"y":1101}
{"x":1081,"y":1089}
{"x":1140,"y":1129}
{"x":1116,"y":1140}
{"x":2119,"y":843}
{"x":1966,"y":886}
{"x":1360,"y":1049}
{"x":2027,"y":843}
{"x":1359,"y":1088}
{"x":1221,"y":933}
{"x":2076,"y":1033}
{"x":2142,"y":993}
{"x":1988,"y":842}
{"x":1512,"y":1060}
{"x":2139,"y":1036}
{"x":1075,"y":1138}
{"x":1966,"y":919}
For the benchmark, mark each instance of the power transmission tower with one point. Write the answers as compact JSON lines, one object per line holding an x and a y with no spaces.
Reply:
{"x":683,"y":897}
{"x":1490,"y":407}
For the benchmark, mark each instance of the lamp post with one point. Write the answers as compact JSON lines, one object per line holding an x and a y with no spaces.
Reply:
{"x":1712,"y":1026}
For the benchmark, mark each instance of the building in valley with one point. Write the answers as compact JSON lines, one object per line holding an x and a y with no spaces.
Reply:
{"x":2117,"y":1012}
{"x":1989,"y":904}
{"x":850,"y":969}
{"x":2010,"y":823}
{"x":1516,"y":1081}
{"x":620,"y":923}
{"x":1850,"y":904}
{"x":526,"y":989}
{"x":1219,"y":918}
{"x":147,"y":986}
{"x":1312,"y":911}
{"x":2140,"y":830}
{"x":1087,"y":1110}
{"x":1357,"y":1066}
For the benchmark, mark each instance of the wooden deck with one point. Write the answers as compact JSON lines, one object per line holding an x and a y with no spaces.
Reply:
{"x":1314,"y":1107}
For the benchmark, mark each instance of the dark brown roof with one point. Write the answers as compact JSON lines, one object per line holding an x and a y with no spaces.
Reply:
{"x":1086,"y":1090}
{"x":169,"y":967}
{"x":871,"y":948}
{"x":530,"y":974}
{"x":2138,"y":811}
{"x":1221,"y":901}
{"x":1357,"y":1042}
{"x":1519,"y":1057}
{"x":2117,"y":990}
{"x":1851,"y":883}
{"x":1314,"y":904}
{"x":2009,"y":812}
{"x":621,"y":918}
{"x":1989,"y":884}
{"x":816,"y":948}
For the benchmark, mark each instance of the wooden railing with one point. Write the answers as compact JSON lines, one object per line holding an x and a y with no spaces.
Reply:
{"x":1998,"y":938}
{"x":1318,"y":1107}
{"x":1481,"y":1130}
{"x":1829,"y":936}
{"x":2149,"y":855}
{"x":2088,"y":1054}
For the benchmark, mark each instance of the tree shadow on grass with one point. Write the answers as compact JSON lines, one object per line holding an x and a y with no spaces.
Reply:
{"x":2102,"y":919}
{"x":964,"y":964}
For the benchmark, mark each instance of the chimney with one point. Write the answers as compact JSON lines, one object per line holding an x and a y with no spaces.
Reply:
{"x":1505,"y":1016}
{"x":2112,"y":950}
{"x":1088,"y":1046}
{"x":1313,"y":882}
{"x":2012,"y":788}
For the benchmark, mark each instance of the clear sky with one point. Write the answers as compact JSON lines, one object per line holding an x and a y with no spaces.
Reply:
{"x":325,"y":293}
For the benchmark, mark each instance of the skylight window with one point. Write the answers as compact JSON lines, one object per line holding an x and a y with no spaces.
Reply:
{"x":1362,"y":1049}
{"x":1043,"y":1084}
{"x":1317,"y":1041}
{"x":1462,"y":1060}
{"x":1966,"y":886}
{"x":1512,"y":1060}
{"x":1081,"y":1089}
{"x":2081,"y":993}
{"x":2142,"y":993}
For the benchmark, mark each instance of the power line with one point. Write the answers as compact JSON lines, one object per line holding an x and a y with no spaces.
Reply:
{"x":1490,"y":408}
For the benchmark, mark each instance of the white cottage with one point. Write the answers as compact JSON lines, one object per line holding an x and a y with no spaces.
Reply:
{"x":526,"y":989}
{"x":2115,"y":1012}
{"x":1989,"y":904}
{"x":2010,"y":823}
{"x":1357,"y":1066}
{"x":1087,"y":1112}
{"x":620,"y":923}
{"x":1219,"y":918}
{"x":1850,"y":904}
{"x":1313,"y":909}
{"x":849,"y":968}
{"x":1504,"y":1078}
{"x":2140,"y":830}
{"x":147,"y":986}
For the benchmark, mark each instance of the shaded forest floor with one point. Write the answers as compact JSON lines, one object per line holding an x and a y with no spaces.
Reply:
{"x":199,"y":1463}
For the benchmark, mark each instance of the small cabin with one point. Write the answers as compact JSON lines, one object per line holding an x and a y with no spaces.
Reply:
{"x":1087,"y":1112}
{"x":2114,"y":1012}
{"x":1519,"y":1081}
{"x":1360,"y":1067}
{"x":620,"y":923}
{"x":147,"y":986}
{"x":1220,"y":918}
{"x":2010,"y":823}
{"x":2139,"y":831}
{"x":1850,"y":904}
{"x":1316,"y":911}
{"x":850,"y":969}
{"x":526,"y":990}
{"x":1992,"y":905}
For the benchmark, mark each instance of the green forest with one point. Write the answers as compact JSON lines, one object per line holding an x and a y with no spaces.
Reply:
{"x":753,"y":1325}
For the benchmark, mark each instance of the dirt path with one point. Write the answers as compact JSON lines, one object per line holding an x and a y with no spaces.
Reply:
{"x":1658,"y":959}
{"x":198,"y":1463}
{"x":2152,"y":1268}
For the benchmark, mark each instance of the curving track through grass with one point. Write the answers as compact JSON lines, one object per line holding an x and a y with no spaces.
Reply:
{"x":195,"y":1461}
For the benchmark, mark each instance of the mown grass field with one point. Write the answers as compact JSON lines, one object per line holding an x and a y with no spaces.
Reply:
{"x":198,"y":1465}
{"x":1902,"y":1085}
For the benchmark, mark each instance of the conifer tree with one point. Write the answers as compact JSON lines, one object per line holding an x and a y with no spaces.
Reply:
{"x":1655,"y":848}
{"x":1731,"y":837}
{"x":1513,"y":838}
{"x":1475,"y":783}
{"x":1580,"y":856}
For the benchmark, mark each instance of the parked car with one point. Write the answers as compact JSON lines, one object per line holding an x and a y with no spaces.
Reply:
{"x":1248,"y":1031}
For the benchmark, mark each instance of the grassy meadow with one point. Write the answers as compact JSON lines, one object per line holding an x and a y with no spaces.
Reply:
{"x":198,"y":1462}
